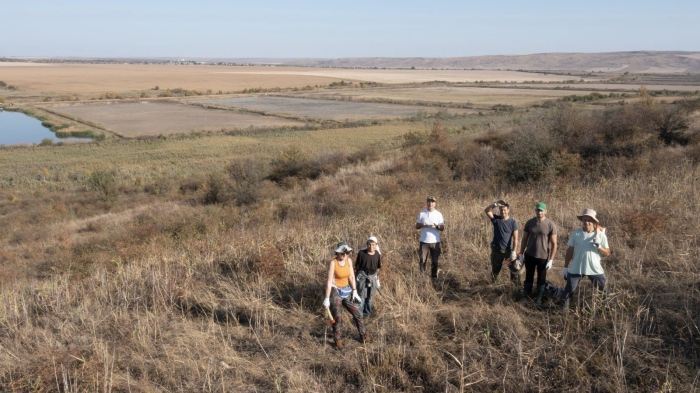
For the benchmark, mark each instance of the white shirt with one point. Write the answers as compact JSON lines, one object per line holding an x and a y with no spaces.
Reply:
{"x":427,"y":234}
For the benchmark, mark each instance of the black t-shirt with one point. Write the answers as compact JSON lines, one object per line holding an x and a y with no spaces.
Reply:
{"x":368,"y":263}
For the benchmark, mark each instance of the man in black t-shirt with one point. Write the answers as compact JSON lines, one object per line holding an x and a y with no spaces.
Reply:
{"x":505,"y":239}
{"x":367,"y":265}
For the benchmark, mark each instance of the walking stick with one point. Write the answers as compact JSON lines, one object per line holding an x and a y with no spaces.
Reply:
{"x":331,"y":320}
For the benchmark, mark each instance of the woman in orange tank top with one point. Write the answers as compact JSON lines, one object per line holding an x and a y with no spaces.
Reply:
{"x":340,"y":290}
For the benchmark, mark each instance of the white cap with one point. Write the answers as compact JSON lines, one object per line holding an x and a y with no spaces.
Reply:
{"x":372,"y":239}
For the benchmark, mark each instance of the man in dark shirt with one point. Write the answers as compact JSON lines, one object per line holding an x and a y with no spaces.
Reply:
{"x":367,"y":265}
{"x":505,"y":239}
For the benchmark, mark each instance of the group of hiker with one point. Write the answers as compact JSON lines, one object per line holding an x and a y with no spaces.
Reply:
{"x":586,"y":246}
{"x":353,"y":287}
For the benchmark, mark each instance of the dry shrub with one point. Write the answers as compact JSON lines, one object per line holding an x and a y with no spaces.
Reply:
{"x":640,"y":223}
{"x":330,"y":200}
{"x":190,"y":185}
{"x":217,"y":189}
{"x":365,"y":155}
{"x":268,"y":261}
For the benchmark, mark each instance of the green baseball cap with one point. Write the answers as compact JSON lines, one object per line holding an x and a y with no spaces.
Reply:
{"x":540,"y":206}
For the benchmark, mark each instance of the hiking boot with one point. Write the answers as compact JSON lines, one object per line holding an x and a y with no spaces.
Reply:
{"x":338,"y":344}
{"x":540,"y":293}
{"x":365,"y":338}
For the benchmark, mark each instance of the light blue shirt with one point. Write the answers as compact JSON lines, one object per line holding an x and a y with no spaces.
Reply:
{"x":586,"y":260}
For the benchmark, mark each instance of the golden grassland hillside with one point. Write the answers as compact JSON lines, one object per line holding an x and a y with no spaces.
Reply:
{"x":199,"y":264}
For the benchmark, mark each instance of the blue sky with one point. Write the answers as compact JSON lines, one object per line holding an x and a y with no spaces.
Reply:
{"x":332,"y":29}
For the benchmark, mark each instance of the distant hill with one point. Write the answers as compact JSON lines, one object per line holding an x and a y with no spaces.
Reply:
{"x":633,"y":62}
{"x":655,"y":62}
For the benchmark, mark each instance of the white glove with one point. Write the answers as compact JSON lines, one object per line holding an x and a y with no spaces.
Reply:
{"x":513,"y":255}
{"x":549,"y":264}
{"x":379,"y":285}
{"x":326,"y":302}
{"x":566,"y":273}
{"x":522,"y":258}
{"x":355,"y":296}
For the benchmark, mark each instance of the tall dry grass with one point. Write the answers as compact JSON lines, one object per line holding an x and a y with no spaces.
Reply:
{"x":165,"y":292}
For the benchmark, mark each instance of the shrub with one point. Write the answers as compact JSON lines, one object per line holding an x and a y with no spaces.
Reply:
{"x":46,"y":142}
{"x":530,"y":155}
{"x":671,"y":124}
{"x":105,"y":183}
{"x":248,"y":170}
{"x":415,"y":138}
{"x":217,"y":189}
{"x":291,"y":163}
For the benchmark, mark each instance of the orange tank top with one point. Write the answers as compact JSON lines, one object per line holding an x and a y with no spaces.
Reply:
{"x":341,"y":273}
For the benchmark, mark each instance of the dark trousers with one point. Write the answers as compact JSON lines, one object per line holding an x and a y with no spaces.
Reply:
{"x":533,"y":264}
{"x":497,"y":257}
{"x":434,"y":250}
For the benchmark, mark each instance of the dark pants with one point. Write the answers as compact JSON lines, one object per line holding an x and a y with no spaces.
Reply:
{"x":599,"y":282}
{"x":435,"y":251}
{"x":535,"y":264}
{"x":497,"y":257}
{"x":353,"y":308}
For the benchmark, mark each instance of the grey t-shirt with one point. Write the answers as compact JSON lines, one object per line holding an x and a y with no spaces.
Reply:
{"x":538,"y":237}
{"x":503,"y":232}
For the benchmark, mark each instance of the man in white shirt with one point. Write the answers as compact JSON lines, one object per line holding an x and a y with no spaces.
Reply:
{"x":430,"y":223}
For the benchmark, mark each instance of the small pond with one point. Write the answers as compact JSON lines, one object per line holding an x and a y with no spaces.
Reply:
{"x":18,"y":128}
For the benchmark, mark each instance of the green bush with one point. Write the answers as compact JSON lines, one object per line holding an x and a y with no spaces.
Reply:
{"x":530,"y":155}
{"x":105,"y":184}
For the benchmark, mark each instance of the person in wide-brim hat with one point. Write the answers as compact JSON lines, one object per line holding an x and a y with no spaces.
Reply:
{"x":583,"y":257}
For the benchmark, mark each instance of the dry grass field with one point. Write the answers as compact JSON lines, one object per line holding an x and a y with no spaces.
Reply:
{"x":87,"y":79}
{"x":322,"y":109}
{"x":153,"y":118}
{"x":479,"y":96}
{"x":189,"y":269}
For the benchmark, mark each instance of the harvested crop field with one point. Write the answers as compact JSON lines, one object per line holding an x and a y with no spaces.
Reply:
{"x":99,"y":78}
{"x":409,"y":76}
{"x":149,"y":119}
{"x":612,"y":87}
{"x":322,"y":109}
{"x":447,"y":94}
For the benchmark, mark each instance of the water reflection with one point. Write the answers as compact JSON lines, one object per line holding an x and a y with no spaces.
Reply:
{"x":17,"y":128}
